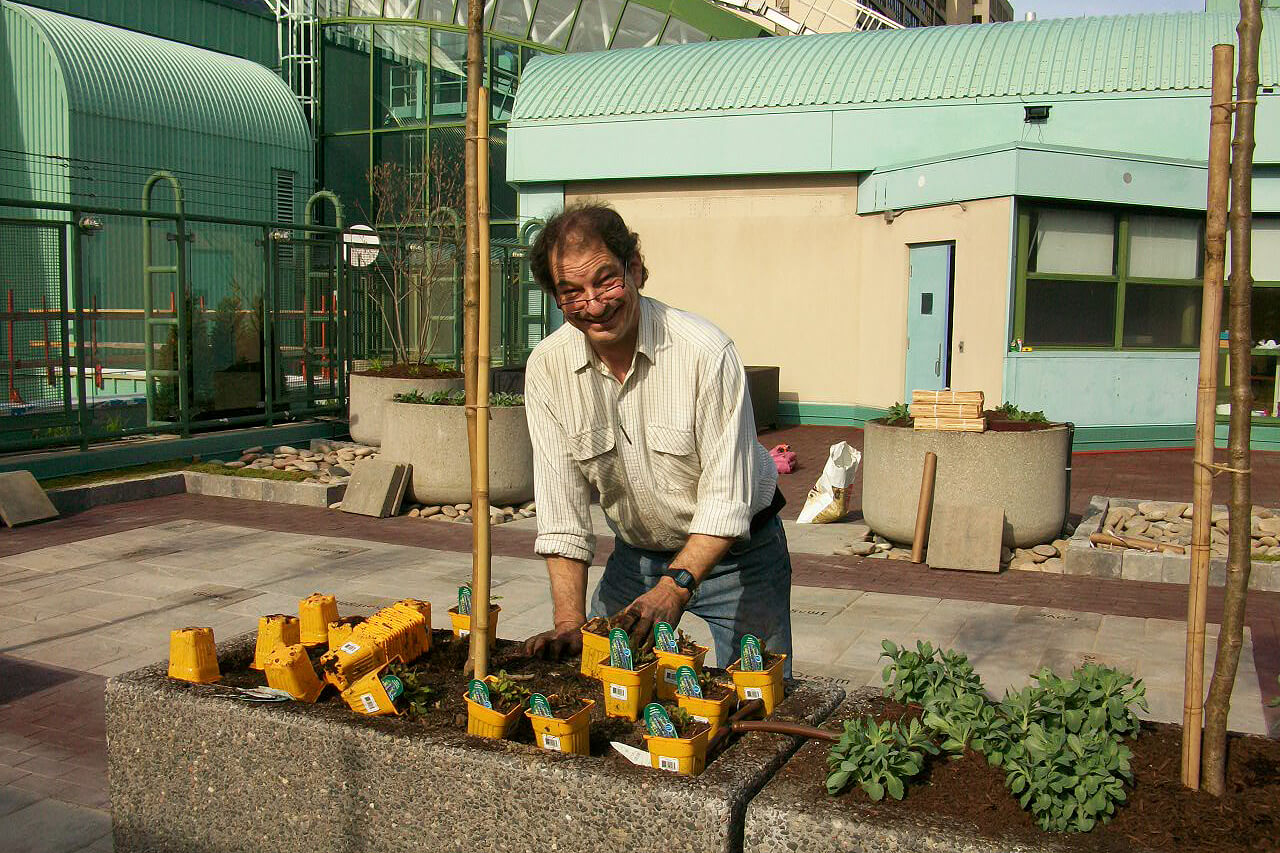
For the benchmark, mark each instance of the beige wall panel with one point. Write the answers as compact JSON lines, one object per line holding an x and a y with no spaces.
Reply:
{"x":790,"y":271}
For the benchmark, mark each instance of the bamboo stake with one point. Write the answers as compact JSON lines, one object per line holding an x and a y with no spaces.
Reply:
{"x":1231,"y":635}
{"x":925,"y":507}
{"x":480,"y":470}
{"x":471,"y":261}
{"x":1206,"y":407}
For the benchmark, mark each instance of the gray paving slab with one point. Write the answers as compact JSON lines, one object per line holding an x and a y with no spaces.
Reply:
{"x":22,"y":501}
{"x":52,"y":826}
{"x":965,"y":537}
{"x":376,"y":488}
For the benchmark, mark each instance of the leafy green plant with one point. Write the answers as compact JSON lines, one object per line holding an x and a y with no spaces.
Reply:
{"x":880,"y":757}
{"x":376,"y":365}
{"x":1069,"y":782}
{"x":511,"y":692}
{"x":414,"y":396}
{"x":917,"y":676}
{"x":1013,"y":413}
{"x":419,"y":696}
{"x":114,"y":424}
{"x":498,"y":399}
{"x":897,"y":412}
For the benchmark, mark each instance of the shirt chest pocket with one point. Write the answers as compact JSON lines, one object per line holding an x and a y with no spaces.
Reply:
{"x":674,"y":455}
{"x":595,"y":451}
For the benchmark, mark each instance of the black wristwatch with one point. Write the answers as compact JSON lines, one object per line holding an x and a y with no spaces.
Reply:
{"x":684,"y":579}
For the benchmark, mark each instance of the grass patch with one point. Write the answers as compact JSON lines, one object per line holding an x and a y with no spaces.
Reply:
{"x":151,"y":468}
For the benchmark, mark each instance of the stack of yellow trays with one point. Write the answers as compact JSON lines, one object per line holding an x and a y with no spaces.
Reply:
{"x":950,"y":411}
{"x":400,"y":632}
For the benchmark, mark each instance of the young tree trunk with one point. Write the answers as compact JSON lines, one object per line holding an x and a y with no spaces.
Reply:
{"x":1206,"y":399}
{"x":1231,"y":634}
{"x":471,"y":270}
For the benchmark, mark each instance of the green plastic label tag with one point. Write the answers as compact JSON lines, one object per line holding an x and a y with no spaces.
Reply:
{"x":539,"y":706}
{"x":620,"y":650}
{"x":464,"y":600}
{"x":664,"y":639}
{"x":478,"y":692}
{"x":393,"y":686}
{"x":687,"y":683}
{"x":750,"y":657}
{"x":657,"y":721}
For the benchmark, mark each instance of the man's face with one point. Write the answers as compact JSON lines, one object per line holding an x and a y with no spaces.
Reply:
{"x":597,"y":292}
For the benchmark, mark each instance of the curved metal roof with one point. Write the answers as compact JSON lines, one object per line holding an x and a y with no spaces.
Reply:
{"x":1069,"y":56}
{"x":121,"y":74}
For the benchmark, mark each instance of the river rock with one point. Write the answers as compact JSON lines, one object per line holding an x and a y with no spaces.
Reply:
{"x":899,"y":554}
{"x":286,"y":450}
{"x":1269,"y":526}
{"x":362,"y":451}
{"x":306,"y":465}
{"x":337,"y":505}
{"x":1136,"y":525}
{"x":1269,"y":541}
{"x":462,"y":507}
{"x":449,"y":511}
{"x":1045,"y":551}
{"x":1052,"y":566}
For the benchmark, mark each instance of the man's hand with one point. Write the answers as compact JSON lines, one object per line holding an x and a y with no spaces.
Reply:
{"x":564,"y":640}
{"x":664,"y":603}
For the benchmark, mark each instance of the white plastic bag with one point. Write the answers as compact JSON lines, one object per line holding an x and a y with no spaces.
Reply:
{"x":829,"y":498}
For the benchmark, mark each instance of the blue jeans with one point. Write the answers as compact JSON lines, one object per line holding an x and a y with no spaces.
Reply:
{"x":749,"y":592}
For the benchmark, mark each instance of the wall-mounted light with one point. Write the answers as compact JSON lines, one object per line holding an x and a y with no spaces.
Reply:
{"x":89,"y":224}
{"x":281,"y":235}
{"x":1038,"y":114}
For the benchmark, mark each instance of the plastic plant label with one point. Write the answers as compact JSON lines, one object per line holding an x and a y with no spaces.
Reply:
{"x":464,"y":600}
{"x":620,"y":650}
{"x":539,"y":706}
{"x":687,"y":683}
{"x":750,"y":658}
{"x":699,"y":719}
{"x":618,"y":691}
{"x":394,"y":687}
{"x":666,"y":762}
{"x":349,"y":648}
{"x":478,"y":692}
{"x":369,"y":702}
{"x":753,"y":692}
{"x":664,"y":639}
{"x":551,"y":742}
{"x":658,"y":722}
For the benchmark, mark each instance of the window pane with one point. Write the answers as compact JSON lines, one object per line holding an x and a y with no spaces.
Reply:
{"x":504,"y":74}
{"x":551,"y":22}
{"x":502,"y":196}
{"x":595,"y":24}
{"x":1070,"y":313}
{"x":346,"y":78}
{"x":448,"y":168}
{"x":1080,"y":242}
{"x":678,"y":32}
{"x":400,"y":72}
{"x":436,"y":10}
{"x":448,"y":76}
{"x":1265,"y":249}
{"x":1158,"y":315}
{"x":1164,"y":247}
{"x":399,"y":8}
{"x":640,"y":27}
{"x":512,"y":17}
{"x":346,"y":164}
{"x":366,"y":8}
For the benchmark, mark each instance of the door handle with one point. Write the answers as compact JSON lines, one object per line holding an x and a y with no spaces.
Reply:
{"x":937,"y":365}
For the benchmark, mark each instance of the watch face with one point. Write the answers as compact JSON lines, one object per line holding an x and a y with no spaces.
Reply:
{"x":683,"y":579}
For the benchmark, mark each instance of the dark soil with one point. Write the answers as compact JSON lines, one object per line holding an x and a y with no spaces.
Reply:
{"x":441,"y":669}
{"x":411,"y":371}
{"x":996,"y":422}
{"x":1160,"y":815}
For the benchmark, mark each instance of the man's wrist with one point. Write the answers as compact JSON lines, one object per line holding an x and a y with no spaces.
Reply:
{"x":686,"y":595}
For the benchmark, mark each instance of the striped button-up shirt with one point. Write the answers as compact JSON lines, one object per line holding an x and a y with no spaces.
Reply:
{"x":672,"y":449}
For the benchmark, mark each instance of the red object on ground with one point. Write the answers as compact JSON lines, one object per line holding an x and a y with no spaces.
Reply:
{"x":784,"y":458}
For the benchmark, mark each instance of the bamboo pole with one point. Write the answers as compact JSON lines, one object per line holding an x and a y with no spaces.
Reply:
{"x":1206,"y":407}
{"x":471,"y":260}
{"x":925,"y":507}
{"x":1231,"y":635}
{"x":480,"y":470}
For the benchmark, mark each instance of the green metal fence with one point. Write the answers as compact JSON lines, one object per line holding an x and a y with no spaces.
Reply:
{"x":155,"y":321}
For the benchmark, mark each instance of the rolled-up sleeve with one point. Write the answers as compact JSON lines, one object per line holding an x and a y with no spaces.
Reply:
{"x":726,"y":439}
{"x":562,"y":494}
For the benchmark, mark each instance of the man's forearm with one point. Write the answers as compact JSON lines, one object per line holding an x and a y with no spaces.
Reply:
{"x":568,"y":590}
{"x":701,"y":553}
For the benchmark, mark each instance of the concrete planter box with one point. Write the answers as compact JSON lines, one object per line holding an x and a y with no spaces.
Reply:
{"x":433,"y":439}
{"x":785,"y":816}
{"x":261,"y":489}
{"x":1023,"y":472}
{"x":370,"y":396}
{"x":193,"y":770}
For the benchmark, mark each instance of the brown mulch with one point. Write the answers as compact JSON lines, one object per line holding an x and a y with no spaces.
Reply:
{"x":411,"y":371}
{"x":1160,"y":814}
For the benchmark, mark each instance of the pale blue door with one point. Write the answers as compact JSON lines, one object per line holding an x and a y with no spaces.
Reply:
{"x":929,"y":318}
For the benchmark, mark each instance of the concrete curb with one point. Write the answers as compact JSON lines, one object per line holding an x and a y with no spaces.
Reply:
{"x":262,"y":489}
{"x":192,"y":769}
{"x":80,"y":498}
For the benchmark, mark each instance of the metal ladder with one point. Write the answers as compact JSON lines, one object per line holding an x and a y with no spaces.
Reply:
{"x":297,"y":47}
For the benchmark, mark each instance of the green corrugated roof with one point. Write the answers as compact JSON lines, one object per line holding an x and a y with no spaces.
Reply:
{"x":1068,"y":56}
{"x":118,"y":73}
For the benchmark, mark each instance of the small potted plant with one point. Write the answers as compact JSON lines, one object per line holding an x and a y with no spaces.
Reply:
{"x":561,"y":725}
{"x":674,"y":651}
{"x":595,"y":644}
{"x":757,"y":674}
{"x":460,"y":615}
{"x":494,"y":706}
{"x":627,"y":677}
{"x":676,"y":741}
{"x":704,"y":698}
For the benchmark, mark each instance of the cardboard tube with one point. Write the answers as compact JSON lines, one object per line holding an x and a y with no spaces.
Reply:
{"x":925,"y":508}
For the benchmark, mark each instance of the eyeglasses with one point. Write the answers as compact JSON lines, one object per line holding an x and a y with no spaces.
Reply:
{"x":610,"y":292}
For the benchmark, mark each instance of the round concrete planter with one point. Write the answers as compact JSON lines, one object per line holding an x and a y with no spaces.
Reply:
{"x":433,"y":439}
{"x":370,"y":396}
{"x":1023,"y":472}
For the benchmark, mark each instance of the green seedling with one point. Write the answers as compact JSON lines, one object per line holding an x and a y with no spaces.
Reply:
{"x":880,"y":757}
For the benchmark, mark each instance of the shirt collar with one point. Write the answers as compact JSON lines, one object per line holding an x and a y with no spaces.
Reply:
{"x":646,"y":338}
